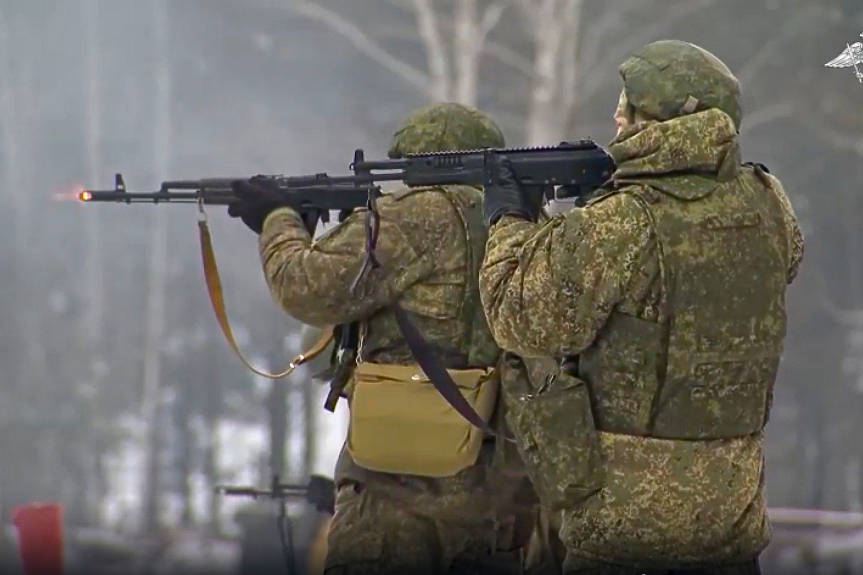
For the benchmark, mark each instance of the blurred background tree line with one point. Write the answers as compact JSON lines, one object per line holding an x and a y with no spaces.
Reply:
{"x":120,"y":397}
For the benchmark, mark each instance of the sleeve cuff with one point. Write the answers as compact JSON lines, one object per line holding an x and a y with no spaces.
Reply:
{"x":284,"y":211}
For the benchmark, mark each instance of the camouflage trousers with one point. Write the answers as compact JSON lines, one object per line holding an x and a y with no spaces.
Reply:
{"x":372,"y":534}
{"x":581,"y":566}
{"x":547,"y":555}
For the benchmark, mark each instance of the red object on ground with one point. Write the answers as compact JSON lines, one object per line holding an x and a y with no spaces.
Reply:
{"x":40,"y":538}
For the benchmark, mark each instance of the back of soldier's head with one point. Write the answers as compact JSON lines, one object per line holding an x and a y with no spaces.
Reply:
{"x":445,"y":127}
{"x":671,"y":78}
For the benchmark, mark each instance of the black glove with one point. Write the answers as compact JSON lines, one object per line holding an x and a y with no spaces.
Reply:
{"x":253,"y":204}
{"x":506,"y":198}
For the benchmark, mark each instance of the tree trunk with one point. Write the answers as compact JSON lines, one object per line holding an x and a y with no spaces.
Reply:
{"x":92,"y":317}
{"x":12,"y":184}
{"x":93,"y":269}
{"x":466,"y":52}
{"x":813,"y":450}
{"x":437,"y":59}
{"x":310,"y":421}
{"x":10,"y":111}
{"x":94,"y":283}
{"x":212,"y":413}
{"x":158,"y":271}
{"x":211,"y":470}
{"x":182,"y":422}
{"x":25,"y":285}
{"x":555,"y":31}
{"x":278,"y":417}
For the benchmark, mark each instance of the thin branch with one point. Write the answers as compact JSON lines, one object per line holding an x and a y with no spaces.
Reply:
{"x":508,"y":56}
{"x":436,"y":56}
{"x":490,"y":19}
{"x":500,"y":52}
{"x":362,"y":42}
{"x":615,"y":56}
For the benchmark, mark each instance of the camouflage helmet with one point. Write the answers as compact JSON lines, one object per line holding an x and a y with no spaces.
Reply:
{"x":445,"y":127}
{"x":671,"y":78}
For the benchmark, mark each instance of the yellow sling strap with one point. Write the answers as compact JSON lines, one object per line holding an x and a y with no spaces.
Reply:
{"x":214,"y":289}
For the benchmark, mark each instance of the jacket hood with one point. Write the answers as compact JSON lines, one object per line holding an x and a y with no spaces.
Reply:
{"x":686,"y":157}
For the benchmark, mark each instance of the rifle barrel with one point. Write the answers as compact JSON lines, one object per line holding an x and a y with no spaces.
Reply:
{"x":282,"y":490}
{"x":217,"y":198}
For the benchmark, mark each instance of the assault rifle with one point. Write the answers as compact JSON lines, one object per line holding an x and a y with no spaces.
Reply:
{"x":320,"y":492}
{"x":569,"y":170}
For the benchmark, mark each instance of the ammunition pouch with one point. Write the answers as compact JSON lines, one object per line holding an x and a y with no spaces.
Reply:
{"x":556,"y":435}
{"x":399,"y":423}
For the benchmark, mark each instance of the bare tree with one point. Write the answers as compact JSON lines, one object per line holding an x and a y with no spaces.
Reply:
{"x":158,"y":272}
{"x":14,"y":112}
{"x":573,"y":48}
{"x":568,"y":60}
{"x":453,"y":46}
{"x":9,"y":110}
{"x":94,"y":277}
{"x":30,"y":384}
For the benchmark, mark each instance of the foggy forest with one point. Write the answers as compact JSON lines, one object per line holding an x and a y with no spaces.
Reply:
{"x":121,"y":398}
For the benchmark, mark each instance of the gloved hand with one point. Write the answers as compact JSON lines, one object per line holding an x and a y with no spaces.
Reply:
{"x":506,"y":198}
{"x":253,"y":204}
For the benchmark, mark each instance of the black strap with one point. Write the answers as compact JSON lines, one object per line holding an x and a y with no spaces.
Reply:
{"x":437,"y":373}
{"x":419,"y":347}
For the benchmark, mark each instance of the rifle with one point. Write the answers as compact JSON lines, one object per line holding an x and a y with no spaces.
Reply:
{"x":570,"y":170}
{"x":566,"y":171}
{"x":320,"y":492}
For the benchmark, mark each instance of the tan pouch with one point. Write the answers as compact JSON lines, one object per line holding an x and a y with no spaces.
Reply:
{"x":399,"y":423}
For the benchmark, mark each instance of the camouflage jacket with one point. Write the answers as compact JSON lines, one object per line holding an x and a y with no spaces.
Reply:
{"x":423,"y":255}
{"x":589,"y":283}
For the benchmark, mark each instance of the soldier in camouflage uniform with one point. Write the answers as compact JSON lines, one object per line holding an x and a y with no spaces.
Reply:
{"x":430,"y":246}
{"x":663,"y":299}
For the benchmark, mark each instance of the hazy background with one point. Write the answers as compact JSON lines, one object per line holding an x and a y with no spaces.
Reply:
{"x":119,"y":396}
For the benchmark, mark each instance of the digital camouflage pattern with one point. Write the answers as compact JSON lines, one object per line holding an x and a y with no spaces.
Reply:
{"x":581,"y":566}
{"x":429,"y":534}
{"x":683,"y":457}
{"x":443,"y":128}
{"x":668,"y":78}
{"x":400,"y":522}
{"x":545,"y":553}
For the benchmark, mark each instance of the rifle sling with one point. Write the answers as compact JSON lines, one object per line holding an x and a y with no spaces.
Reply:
{"x":425,"y":358}
{"x":217,"y":299}
{"x":437,"y":373}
